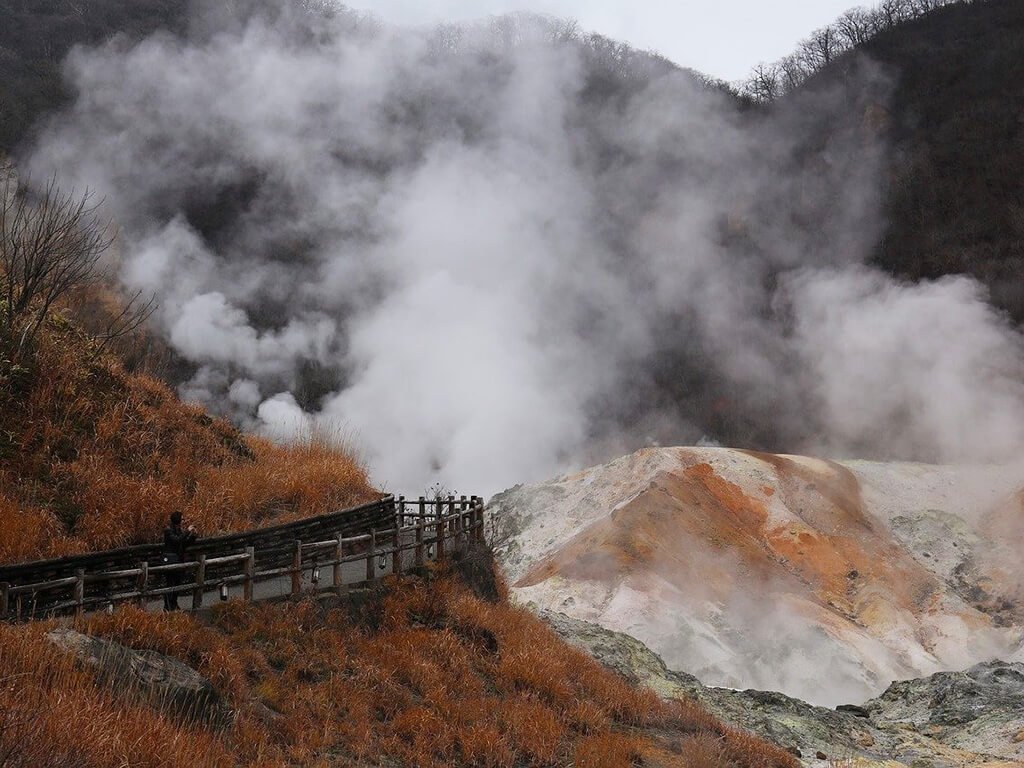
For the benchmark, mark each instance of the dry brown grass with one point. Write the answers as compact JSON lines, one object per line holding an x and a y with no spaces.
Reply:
{"x":429,"y":676}
{"x":92,"y":457}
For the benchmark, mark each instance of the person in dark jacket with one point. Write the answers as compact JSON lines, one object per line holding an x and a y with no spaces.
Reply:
{"x":176,"y":539}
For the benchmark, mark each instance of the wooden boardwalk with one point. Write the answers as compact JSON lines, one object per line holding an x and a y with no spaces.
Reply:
{"x":329,"y":552}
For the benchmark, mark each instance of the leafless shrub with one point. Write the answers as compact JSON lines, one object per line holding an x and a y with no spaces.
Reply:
{"x":50,"y":243}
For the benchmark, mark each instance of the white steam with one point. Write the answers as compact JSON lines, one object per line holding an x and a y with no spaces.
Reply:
{"x":493,"y":258}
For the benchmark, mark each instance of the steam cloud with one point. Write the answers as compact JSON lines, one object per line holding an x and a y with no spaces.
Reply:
{"x":496,"y":252}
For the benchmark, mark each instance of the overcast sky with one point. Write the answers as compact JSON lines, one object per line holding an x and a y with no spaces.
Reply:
{"x":723,"y":38}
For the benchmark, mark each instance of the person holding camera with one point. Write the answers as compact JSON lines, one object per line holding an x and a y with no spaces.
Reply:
{"x":176,"y":540}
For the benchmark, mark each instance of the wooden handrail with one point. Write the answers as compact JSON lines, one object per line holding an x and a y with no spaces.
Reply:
{"x":17,"y":572}
{"x":451,"y":521}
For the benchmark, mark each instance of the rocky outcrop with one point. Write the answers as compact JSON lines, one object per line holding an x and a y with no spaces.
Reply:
{"x":824,"y":580}
{"x":948,"y":719}
{"x":979,"y":710}
{"x":164,"y":681}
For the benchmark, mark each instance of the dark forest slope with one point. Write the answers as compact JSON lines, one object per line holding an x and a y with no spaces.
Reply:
{"x":35,"y":36}
{"x":956,"y":194}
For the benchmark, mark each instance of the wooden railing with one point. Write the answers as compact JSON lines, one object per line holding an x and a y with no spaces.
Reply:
{"x":416,"y":532}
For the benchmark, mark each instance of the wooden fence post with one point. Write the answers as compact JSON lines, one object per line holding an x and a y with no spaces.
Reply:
{"x":453,"y":522}
{"x":5,"y":600}
{"x":421,"y":523}
{"x":396,"y":555}
{"x":197,"y":591}
{"x":79,"y":590}
{"x":439,"y":529}
{"x":371,"y":552}
{"x":401,"y":513}
{"x":297,"y":568}
{"x":143,"y":583}
{"x":250,"y":572}
{"x":460,"y":522}
{"x":339,"y":577}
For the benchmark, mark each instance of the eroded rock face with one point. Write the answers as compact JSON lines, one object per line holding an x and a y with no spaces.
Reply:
{"x":951,"y":718}
{"x":979,"y":710}
{"x":823,"y":580}
{"x":163,"y":680}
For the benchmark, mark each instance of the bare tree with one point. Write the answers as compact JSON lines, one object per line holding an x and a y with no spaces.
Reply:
{"x":564,"y":31}
{"x":893,"y":12}
{"x":855,"y":27}
{"x":446,"y":39}
{"x":921,"y":7}
{"x":50,"y":243}
{"x":507,"y":30}
{"x":793,"y":71}
{"x":820,"y":48}
{"x":131,"y":315}
{"x":765,"y":83}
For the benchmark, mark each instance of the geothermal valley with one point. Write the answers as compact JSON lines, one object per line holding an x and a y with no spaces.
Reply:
{"x":727,"y":340}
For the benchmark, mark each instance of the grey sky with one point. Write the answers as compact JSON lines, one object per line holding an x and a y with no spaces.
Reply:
{"x":723,"y":38}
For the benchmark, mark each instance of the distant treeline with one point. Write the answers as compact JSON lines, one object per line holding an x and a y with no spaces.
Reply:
{"x":816,"y":52}
{"x":36,"y":36}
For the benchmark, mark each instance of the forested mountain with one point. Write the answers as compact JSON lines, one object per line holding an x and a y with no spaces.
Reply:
{"x":955,"y":120}
{"x":35,"y":37}
{"x":956,"y":112}
{"x":956,"y":192}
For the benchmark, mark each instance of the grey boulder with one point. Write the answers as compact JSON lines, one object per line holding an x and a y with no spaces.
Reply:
{"x":165,"y":682}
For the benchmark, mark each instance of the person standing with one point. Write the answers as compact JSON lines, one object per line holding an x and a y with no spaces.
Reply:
{"x":176,"y":540}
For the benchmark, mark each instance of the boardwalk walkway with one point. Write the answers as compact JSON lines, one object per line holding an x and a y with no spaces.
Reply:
{"x":329,"y":552}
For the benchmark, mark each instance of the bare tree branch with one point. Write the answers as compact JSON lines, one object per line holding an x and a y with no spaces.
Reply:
{"x":133,"y":315}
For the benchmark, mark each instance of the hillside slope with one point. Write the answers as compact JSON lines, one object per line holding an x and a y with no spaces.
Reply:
{"x":93,"y":457}
{"x":427,"y":675}
{"x":823,"y":580}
